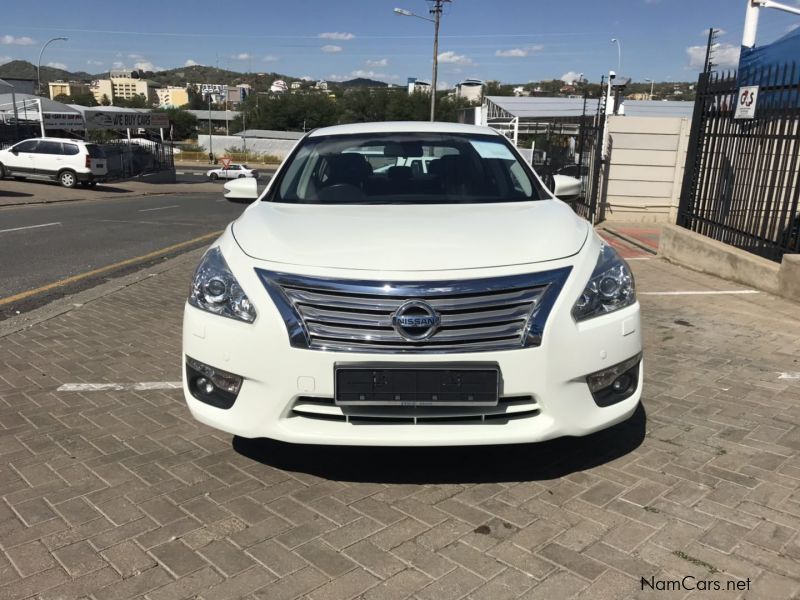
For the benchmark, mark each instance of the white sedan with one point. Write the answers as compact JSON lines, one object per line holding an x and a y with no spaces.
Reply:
{"x":465,"y":305}
{"x":234,"y":171}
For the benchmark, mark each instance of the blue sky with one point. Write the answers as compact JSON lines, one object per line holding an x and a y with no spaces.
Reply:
{"x":515,"y":41}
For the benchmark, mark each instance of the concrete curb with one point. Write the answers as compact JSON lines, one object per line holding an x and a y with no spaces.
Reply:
{"x":68,"y":303}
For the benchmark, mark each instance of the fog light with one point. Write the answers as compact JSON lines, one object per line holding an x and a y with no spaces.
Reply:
{"x":616,"y":383}
{"x":211,"y":385}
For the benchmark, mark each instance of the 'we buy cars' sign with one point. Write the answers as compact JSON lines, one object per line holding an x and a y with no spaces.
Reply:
{"x":108,"y":119}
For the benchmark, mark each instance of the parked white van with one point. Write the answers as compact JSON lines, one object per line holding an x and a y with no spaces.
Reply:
{"x":67,"y":161}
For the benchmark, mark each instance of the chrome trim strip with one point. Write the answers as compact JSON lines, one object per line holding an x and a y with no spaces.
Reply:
{"x":349,"y":315}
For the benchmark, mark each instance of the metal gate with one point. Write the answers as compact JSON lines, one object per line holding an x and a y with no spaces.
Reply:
{"x":740,"y":183}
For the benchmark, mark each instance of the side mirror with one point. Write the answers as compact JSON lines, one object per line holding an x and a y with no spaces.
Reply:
{"x":566,"y":187}
{"x":245,"y":188}
{"x":14,"y":152}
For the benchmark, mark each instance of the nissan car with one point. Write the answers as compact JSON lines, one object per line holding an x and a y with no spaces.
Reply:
{"x":459,"y":304}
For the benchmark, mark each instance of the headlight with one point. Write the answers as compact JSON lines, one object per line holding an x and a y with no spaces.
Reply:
{"x":215,"y":289}
{"x":610,"y":287}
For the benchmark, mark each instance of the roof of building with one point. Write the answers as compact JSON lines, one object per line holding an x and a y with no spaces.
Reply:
{"x":31,"y":102}
{"x":216,"y":115}
{"x":538,"y":107}
{"x":271,"y":134}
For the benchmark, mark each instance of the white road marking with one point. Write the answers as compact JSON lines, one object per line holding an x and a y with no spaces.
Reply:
{"x":790,"y":375}
{"x":703,"y":293}
{"x":159,"y":208}
{"x":29,"y":227}
{"x":119,"y":387}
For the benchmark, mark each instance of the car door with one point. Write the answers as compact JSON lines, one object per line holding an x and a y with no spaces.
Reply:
{"x":49,"y":159}
{"x":233,"y":172}
{"x":21,"y":161}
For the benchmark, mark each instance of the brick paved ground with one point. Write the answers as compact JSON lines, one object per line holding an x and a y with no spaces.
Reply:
{"x":121,"y":494}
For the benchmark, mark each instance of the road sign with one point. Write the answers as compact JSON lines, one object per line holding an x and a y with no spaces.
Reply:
{"x":226,"y":162}
{"x":746,"y":102}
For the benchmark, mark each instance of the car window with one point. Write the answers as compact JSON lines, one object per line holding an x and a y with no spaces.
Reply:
{"x":69,"y":149}
{"x":95,"y":151}
{"x":49,"y":148}
{"x":26,"y":146}
{"x":459,"y":168}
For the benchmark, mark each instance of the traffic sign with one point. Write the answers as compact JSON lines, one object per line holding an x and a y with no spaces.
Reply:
{"x":226,"y":162}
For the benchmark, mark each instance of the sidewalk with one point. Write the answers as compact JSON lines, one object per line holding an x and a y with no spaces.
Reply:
{"x":109,"y":489}
{"x":16,"y":193}
{"x":645,"y":236}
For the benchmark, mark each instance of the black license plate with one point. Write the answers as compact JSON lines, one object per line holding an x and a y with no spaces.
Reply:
{"x":417,"y":386}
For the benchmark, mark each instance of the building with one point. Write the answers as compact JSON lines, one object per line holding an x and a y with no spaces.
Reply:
{"x":278,"y":86}
{"x":217,"y":91}
{"x":415,"y":86}
{"x":295,"y":85}
{"x":121,"y":85}
{"x":470,"y":89}
{"x":21,"y":86}
{"x":321,"y":85}
{"x":68,"y":88}
{"x":238,"y":93}
{"x":172,"y":96}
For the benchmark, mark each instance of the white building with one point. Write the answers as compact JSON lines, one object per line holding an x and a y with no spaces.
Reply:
{"x":470,"y":89}
{"x":415,"y":86}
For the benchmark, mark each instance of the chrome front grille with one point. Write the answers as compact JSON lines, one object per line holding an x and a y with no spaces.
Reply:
{"x":474,"y":315}
{"x":507,"y":409}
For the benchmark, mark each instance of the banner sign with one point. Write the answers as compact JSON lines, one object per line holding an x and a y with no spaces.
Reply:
{"x":106,"y":119}
{"x":746,"y":102}
{"x":70,"y":120}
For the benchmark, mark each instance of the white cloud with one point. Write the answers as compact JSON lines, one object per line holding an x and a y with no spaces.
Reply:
{"x":518,"y":52}
{"x":452,"y":58}
{"x":571,"y":77}
{"x":135,"y":56}
{"x":378,"y":63}
{"x":4,"y":59}
{"x":57,"y":65}
{"x":336,"y":35}
{"x":270,"y":58}
{"x":722,"y":55}
{"x":190,"y":63}
{"x":95,"y":63}
{"x":146,"y":65}
{"x":331,"y":49}
{"x":443,"y":85}
{"x":242,"y":56}
{"x":118,"y":64}
{"x":10,"y":40}
{"x":306,"y":78}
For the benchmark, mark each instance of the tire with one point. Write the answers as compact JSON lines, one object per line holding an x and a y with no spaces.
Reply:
{"x":67,"y":179}
{"x":214,"y":177}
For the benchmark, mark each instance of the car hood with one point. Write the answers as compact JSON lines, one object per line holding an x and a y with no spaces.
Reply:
{"x":410,"y":238}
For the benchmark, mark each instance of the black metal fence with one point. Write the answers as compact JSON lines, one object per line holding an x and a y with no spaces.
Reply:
{"x":137,"y":157}
{"x":741,"y":183}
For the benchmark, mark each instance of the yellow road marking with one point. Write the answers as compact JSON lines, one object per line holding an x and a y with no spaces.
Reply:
{"x":122,"y":263}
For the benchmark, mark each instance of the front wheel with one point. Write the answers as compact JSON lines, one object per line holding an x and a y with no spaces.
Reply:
{"x":214,"y":177}
{"x":67,"y":179}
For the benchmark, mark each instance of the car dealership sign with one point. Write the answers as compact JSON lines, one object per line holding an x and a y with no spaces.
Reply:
{"x":65,"y":120}
{"x":110,"y":119}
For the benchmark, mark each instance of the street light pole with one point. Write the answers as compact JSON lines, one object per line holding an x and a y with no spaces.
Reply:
{"x":619,"y":54}
{"x":39,"y":63}
{"x":436,"y":11}
{"x":210,"y":139}
{"x":652,"y":83}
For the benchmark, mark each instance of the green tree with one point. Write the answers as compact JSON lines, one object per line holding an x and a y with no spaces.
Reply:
{"x":105,"y":101}
{"x":137,"y":101}
{"x":196,"y":101}
{"x":80,"y":99}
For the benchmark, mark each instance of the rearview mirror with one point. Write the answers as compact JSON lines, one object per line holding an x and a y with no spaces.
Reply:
{"x":566,"y":187}
{"x":245,"y":188}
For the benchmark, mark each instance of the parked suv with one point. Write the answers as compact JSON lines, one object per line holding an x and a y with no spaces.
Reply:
{"x":461,"y":305}
{"x":64,"y":160}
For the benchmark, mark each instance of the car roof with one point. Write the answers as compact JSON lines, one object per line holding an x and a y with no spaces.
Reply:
{"x":402,"y":127}
{"x":54,"y":139}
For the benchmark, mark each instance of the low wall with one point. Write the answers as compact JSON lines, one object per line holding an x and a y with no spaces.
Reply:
{"x":701,"y":253}
{"x":645,"y":170}
{"x":219,"y":143}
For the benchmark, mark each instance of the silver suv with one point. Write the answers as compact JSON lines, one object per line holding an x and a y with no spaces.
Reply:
{"x":67,"y":161}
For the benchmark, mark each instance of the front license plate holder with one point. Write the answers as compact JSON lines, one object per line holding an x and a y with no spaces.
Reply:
{"x":475,"y":384}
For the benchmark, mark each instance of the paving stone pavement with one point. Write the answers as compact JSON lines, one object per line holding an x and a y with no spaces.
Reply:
{"x":120,"y":494}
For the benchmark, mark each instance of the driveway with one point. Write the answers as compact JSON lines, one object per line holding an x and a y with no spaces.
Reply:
{"x":111,"y":490}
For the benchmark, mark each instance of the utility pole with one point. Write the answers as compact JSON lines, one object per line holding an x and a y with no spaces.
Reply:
{"x":210,"y":139}
{"x":436,"y":11}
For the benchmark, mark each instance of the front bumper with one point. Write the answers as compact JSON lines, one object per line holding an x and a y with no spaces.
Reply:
{"x":287,"y":392}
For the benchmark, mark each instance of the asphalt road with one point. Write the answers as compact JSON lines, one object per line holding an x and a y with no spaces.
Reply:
{"x":189,"y":174}
{"x":45,"y":244}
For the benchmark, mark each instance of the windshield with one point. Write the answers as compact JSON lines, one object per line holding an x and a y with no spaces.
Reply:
{"x":405,"y":168}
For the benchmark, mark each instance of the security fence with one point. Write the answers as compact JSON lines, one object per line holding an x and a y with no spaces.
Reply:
{"x":741,"y":182}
